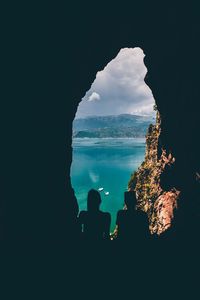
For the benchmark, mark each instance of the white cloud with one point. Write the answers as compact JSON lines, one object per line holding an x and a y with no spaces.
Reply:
{"x":94,"y":96}
{"x":121,"y":86}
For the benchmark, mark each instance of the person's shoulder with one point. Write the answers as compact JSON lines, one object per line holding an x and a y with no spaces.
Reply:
{"x":105,"y":214}
{"x":120,"y":215}
{"x":83,"y":213}
{"x":141,"y":214}
{"x":121,"y":212}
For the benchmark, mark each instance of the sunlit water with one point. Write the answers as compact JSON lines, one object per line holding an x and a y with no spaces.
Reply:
{"x":106,"y":163}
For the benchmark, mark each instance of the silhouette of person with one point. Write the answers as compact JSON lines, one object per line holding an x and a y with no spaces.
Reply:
{"x":131,"y":224}
{"x":95,"y":224}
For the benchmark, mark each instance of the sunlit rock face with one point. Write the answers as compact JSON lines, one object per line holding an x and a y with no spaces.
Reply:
{"x":158,"y":203}
{"x":163,"y":211}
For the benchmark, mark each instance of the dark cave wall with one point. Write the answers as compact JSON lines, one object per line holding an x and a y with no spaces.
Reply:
{"x":174,"y":82}
{"x":173,"y":79}
{"x":38,"y":201}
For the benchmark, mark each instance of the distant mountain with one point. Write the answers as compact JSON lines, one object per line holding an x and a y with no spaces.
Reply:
{"x":124,"y":125}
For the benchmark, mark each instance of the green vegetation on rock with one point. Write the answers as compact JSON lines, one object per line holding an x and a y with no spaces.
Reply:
{"x":146,"y":183}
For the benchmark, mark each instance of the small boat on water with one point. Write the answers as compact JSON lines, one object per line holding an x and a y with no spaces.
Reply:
{"x":101,"y":189}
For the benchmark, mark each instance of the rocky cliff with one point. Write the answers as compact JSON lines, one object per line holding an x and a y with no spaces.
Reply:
{"x":158,"y":203}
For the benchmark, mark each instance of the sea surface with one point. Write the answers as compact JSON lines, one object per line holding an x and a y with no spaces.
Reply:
{"x":106,"y":163}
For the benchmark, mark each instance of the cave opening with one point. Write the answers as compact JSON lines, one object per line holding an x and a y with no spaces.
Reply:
{"x":109,"y":131}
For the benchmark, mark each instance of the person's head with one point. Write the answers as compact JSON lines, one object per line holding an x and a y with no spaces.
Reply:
{"x":93,"y":200}
{"x":130,"y":200}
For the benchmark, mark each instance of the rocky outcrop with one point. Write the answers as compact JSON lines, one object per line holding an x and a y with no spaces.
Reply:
{"x":158,"y":203}
{"x":163,"y":211}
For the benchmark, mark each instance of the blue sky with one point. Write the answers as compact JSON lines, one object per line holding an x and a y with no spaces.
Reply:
{"x":119,"y":88}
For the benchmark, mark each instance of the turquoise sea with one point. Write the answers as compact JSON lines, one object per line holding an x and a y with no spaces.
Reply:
{"x":106,"y":163}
